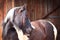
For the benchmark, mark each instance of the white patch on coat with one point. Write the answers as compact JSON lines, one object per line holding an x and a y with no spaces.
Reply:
{"x":10,"y":14}
{"x":32,"y":26}
{"x":20,"y":34}
{"x":54,"y":29}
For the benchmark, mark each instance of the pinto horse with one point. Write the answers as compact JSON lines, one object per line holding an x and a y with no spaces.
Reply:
{"x":17,"y":23}
{"x":16,"y":17}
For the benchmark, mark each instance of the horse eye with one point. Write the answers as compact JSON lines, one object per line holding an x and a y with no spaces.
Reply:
{"x":21,"y":10}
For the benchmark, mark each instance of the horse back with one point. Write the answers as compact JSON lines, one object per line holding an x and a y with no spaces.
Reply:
{"x":43,"y":30}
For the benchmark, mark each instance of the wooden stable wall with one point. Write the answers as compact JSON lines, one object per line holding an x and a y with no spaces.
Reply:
{"x":1,"y":11}
{"x":1,"y":17}
{"x":36,"y":10}
{"x":55,"y":16}
{"x":5,"y":5}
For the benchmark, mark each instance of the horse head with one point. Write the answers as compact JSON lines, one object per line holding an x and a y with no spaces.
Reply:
{"x":21,"y":19}
{"x":17,"y":16}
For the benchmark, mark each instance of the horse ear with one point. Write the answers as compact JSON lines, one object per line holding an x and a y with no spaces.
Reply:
{"x":24,"y":6}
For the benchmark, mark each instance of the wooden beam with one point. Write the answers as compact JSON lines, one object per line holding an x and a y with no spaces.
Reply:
{"x":46,"y":16}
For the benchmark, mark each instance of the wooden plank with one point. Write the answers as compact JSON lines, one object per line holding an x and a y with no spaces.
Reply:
{"x":12,"y":3}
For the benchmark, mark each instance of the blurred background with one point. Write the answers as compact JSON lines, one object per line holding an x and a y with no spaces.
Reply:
{"x":37,"y":9}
